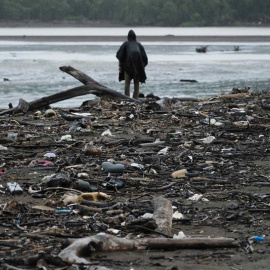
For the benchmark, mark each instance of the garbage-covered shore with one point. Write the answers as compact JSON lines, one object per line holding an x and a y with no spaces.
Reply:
{"x":191,"y":171}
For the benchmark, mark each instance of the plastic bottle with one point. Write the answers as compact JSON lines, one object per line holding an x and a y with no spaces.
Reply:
{"x":112,"y":168}
{"x":83,"y":185}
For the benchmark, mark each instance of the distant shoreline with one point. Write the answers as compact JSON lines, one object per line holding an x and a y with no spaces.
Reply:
{"x":169,"y":38}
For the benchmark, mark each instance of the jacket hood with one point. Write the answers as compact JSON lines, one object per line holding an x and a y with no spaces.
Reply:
{"x":131,"y":35}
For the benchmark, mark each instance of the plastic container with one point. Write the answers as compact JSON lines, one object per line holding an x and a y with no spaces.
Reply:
{"x":112,"y":168}
{"x":83,"y":185}
{"x":14,"y":188}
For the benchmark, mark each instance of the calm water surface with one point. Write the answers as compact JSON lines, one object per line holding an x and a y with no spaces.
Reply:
{"x":33,"y":67}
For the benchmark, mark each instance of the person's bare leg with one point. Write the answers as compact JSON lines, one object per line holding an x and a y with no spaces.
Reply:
{"x":127,"y":85}
{"x":136,"y":89}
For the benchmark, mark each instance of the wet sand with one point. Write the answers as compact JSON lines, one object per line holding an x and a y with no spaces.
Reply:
{"x":168,"y":38}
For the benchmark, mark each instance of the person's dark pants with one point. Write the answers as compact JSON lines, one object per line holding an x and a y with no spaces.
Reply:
{"x":127,"y":87}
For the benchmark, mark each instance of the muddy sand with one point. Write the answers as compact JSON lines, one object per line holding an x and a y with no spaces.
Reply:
{"x":222,"y":143}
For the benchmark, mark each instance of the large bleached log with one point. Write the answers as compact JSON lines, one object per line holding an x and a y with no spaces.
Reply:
{"x":90,"y":87}
{"x":75,"y":252}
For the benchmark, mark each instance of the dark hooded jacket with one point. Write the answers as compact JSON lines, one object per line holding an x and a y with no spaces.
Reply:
{"x":132,"y":58}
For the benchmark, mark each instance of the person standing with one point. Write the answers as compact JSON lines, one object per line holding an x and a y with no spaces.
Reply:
{"x":132,"y":62}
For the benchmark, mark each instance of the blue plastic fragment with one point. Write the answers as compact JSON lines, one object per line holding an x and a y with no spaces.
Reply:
{"x":258,"y":238}
{"x":62,"y":211}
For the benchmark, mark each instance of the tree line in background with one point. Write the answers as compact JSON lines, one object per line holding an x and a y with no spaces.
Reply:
{"x":140,"y":12}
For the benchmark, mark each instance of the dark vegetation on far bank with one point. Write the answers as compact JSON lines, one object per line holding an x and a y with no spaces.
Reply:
{"x":138,"y":12}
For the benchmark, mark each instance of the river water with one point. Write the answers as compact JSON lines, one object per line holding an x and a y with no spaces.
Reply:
{"x":32,"y":68}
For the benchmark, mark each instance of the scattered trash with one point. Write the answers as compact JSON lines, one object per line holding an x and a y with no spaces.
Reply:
{"x":195,"y":197}
{"x":107,"y":132}
{"x":259,"y":238}
{"x":12,"y":135}
{"x":163,"y":151}
{"x":114,"y":183}
{"x":180,"y":235}
{"x":177,"y":215}
{"x":208,"y":139}
{"x":66,"y":138}
{"x":179,"y":174}
{"x":50,"y":113}
{"x":41,"y":163}
{"x":14,"y":188}
{"x":91,"y":196}
{"x":90,"y":150}
{"x":109,"y":167}
{"x":85,"y":186}
{"x":205,"y":162}
{"x":3,"y":148}
{"x":50,"y":155}
{"x":136,"y":165}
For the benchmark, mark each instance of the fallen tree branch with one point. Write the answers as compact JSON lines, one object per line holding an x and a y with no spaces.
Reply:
{"x":90,"y":87}
{"x":103,"y":242}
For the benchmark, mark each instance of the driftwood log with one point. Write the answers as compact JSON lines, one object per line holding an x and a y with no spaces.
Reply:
{"x":90,"y":87}
{"x":104,"y":242}
{"x":163,"y":214}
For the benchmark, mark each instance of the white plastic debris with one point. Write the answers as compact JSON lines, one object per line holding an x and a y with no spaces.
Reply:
{"x":177,"y":215}
{"x":131,"y":116}
{"x":66,"y":138}
{"x":212,"y":121}
{"x":152,"y":171}
{"x":180,"y":235}
{"x":219,"y":124}
{"x":107,"y":132}
{"x":137,"y":165}
{"x":3,"y":148}
{"x":163,"y":151}
{"x":208,"y":139}
{"x":195,"y":197}
{"x":50,"y":155}
{"x":147,"y":215}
